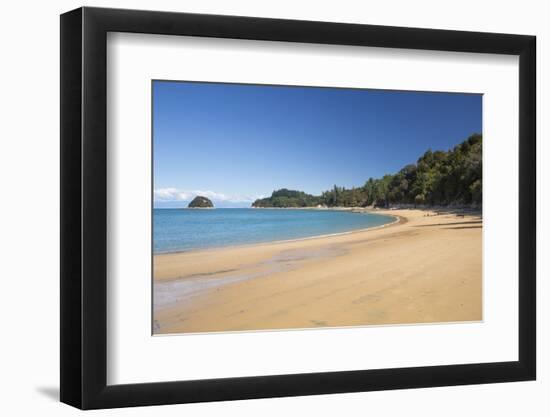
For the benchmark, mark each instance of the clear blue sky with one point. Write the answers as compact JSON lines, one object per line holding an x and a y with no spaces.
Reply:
{"x":235,"y":142}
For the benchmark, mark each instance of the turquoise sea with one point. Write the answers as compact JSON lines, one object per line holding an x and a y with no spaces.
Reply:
{"x":176,"y":230}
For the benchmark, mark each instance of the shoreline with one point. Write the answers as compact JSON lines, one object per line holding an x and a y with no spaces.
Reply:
{"x":397,"y":219}
{"x":425,"y":268}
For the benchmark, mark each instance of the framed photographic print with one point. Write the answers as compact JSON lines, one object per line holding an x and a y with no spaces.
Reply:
{"x":258,"y":208}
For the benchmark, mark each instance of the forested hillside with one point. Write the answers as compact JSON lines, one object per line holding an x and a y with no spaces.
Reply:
{"x":438,"y":178}
{"x":288,"y":198}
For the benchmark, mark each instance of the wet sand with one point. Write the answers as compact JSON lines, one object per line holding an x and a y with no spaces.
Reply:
{"x":426,"y":268}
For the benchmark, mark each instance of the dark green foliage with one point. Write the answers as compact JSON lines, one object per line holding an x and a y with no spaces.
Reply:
{"x":288,"y":198}
{"x":453,"y":177}
{"x":200,"y":202}
{"x":437,"y":178}
{"x":342,"y":197}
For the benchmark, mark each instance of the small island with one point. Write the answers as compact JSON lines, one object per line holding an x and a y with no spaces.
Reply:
{"x":200,"y":202}
{"x":334,"y":208}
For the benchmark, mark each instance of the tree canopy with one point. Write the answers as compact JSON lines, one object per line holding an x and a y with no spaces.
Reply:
{"x":444,"y":178}
{"x":287,"y":198}
{"x":200,"y":202}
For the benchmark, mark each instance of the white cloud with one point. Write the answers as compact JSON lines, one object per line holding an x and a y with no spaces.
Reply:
{"x":174,"y":194}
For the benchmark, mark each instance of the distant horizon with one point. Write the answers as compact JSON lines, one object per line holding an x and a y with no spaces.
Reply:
{"x":235,"y":143}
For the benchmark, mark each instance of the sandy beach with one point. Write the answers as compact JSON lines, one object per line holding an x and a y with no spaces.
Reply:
{"x":425,"y":268}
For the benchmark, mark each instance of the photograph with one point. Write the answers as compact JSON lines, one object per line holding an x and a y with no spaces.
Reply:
{"x":280,"y":205}
{"x":298,"y":207}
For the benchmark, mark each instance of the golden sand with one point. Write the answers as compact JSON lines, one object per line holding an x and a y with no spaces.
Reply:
{"x":425,"y":268}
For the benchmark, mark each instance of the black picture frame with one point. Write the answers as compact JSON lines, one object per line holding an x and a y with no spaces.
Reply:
{"x":84,"y":208}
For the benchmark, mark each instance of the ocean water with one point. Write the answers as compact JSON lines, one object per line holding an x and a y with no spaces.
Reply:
{"x":176,"y":230}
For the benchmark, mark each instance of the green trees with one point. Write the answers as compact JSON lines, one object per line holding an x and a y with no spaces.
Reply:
{"x":288,"y":198}
{"x":200,"y":202}
{"x":437,"y":178}
{"x":342,"y":197}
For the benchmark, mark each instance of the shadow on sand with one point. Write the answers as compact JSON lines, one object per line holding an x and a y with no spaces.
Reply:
{"x":479,"y":222}
{"x":463,"y":227}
